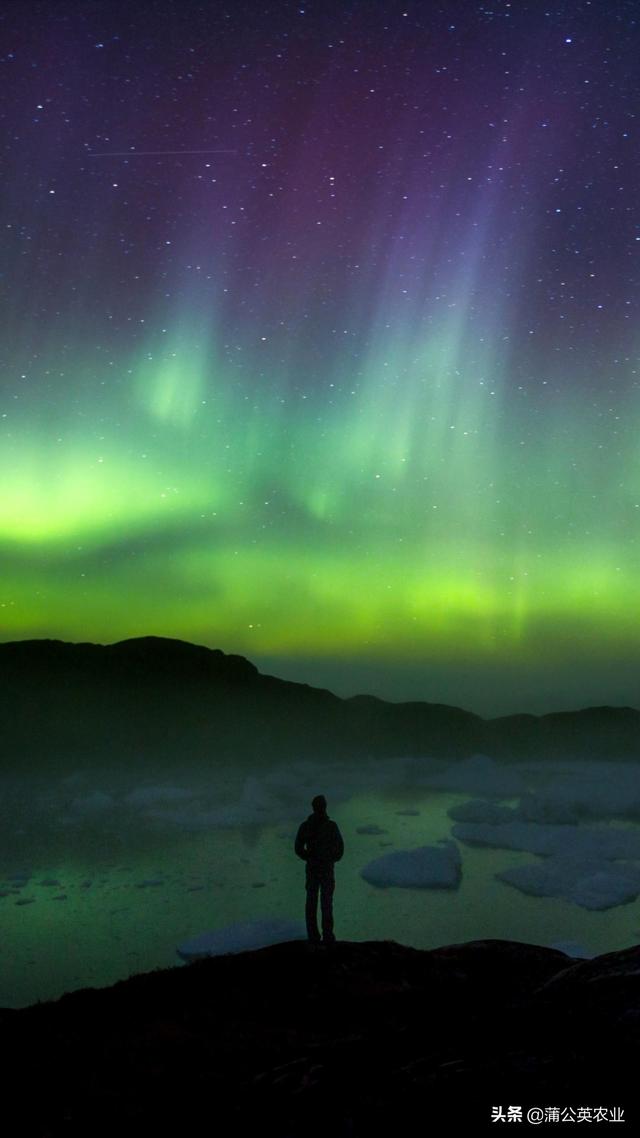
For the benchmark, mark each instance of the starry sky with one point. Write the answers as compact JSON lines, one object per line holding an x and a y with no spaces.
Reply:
{"x":320,"y":339}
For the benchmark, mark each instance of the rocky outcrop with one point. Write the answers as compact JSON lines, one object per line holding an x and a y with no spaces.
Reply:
{"x":356,"y":1040}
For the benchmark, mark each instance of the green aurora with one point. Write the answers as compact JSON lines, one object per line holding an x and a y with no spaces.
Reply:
{"x":438,"y":515}
{"x":356,"y":395}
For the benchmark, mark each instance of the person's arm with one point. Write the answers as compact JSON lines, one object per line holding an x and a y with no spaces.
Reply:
{"x":301,"y":843}
{"x":339,"y":844}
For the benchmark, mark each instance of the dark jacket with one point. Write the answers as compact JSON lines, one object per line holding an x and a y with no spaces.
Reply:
{"x":319,"y":841}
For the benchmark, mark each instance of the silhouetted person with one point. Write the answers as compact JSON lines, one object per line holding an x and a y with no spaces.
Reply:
{"x":319,"y":843}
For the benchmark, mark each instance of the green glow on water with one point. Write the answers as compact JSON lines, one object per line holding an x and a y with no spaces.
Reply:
{"x":114,"y":928}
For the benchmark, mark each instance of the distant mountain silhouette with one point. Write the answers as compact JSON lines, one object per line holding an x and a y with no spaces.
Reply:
{"x":160,"y":702}
{"x":362,"y":1040}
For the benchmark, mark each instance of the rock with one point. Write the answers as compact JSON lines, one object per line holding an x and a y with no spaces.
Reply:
{"x":293,"y":1039}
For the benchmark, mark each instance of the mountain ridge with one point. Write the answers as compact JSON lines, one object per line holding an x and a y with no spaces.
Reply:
{"x":162,"y":698}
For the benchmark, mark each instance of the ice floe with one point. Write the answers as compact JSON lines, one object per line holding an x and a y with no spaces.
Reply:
{"x":241,"y":936}
{"x":150,"y":795}
{"x":586,"y":841}
{"x":589,"y":883}
{"x":426,"y":867}
{"x":481,"y":810}
{"x":573,"y":948}
{"x":479,"y":775}
{"x":596,"y":867}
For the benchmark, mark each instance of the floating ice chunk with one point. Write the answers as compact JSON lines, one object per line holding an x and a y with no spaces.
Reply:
{"x":479,"y":775}
{"x":193,"y":820}
{"x":608,"y":887}
{"x":275,"y":797}
{"x":426,"y":867}
{"x":585,"y":841}
{"x":372,"y":829}
{"x":589,"y":882}
{"x":479,"y":810}
{"x":149,"y":795}
{"x":549,"y":877}
{"x":508,"y":836}
{"x":573,"y":948}
{"x":96,"y":803}
{"x":242,"y":936}
{"x":149,"y":882}
{"x":588,"y":790}
{"x":544,"y":808}
{"x":257,"y":805}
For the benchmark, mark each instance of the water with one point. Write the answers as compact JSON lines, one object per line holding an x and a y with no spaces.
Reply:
{"x":132,"y":883}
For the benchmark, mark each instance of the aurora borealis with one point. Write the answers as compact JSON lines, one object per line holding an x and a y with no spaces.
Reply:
{"x":320,"y":339}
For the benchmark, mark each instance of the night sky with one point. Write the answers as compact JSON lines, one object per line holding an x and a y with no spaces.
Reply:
{"x":320,"y":339}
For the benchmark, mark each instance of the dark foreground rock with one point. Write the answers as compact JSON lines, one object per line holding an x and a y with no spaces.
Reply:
{"x":355,"y":1040}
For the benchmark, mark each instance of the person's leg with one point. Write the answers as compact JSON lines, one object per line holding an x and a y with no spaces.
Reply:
{"x":311,"y":907}
{"x":327,"y":887}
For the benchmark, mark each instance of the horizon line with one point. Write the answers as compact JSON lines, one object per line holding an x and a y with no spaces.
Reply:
{"x":487,"y":716}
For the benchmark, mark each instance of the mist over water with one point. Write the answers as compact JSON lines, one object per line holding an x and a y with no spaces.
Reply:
{"x":104,"y":875}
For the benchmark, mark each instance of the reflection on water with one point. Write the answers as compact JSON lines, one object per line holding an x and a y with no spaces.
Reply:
{"x":96,"y":888}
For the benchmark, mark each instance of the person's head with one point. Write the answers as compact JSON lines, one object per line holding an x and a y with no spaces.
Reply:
{"x":319,"y":804}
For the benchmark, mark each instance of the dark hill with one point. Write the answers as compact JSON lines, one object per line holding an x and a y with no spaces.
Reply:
{"x":162,"y":702}
{"x":360,"y":1040}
